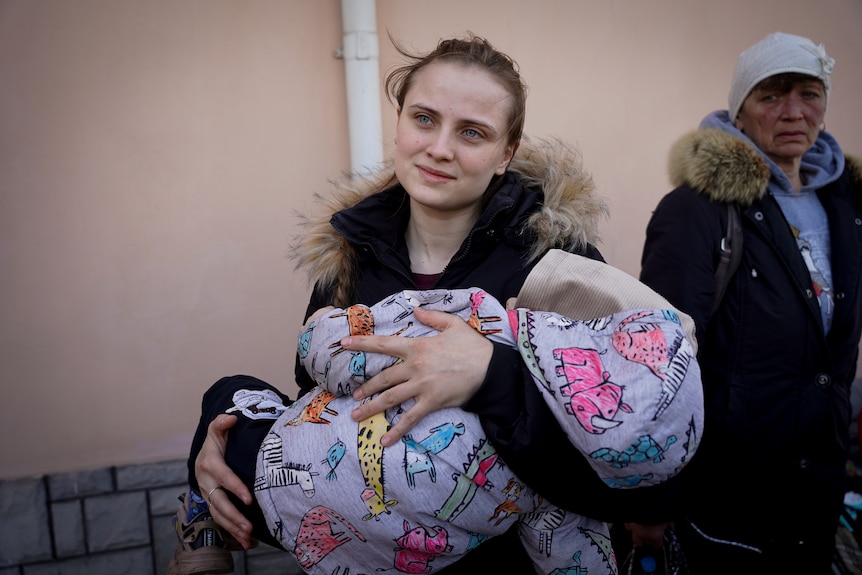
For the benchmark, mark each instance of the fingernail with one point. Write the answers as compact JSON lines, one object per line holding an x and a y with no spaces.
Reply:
{"x":356,"y":415}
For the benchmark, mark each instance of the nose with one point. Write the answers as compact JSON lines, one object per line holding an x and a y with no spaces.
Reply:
{"x":793,"y":107}
{"x":440,"y":146}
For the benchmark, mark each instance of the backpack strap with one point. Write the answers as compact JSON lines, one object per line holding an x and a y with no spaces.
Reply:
{"x":731,"y":254}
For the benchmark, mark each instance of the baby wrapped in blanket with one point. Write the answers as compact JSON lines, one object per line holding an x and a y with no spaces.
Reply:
{"x":625,"y":387}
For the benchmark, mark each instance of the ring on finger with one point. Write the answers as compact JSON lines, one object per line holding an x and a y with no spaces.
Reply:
{"x":213,"y":490}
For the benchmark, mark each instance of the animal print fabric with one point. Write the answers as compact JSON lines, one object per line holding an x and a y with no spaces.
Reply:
{"x":622,"y":386}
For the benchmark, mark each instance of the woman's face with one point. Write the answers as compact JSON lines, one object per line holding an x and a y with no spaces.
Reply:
{"x":783,"y":123}
{"x":450,"y":139}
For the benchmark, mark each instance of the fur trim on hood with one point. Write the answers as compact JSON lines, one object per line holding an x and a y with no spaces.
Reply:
{"x":569,"y":216}
{"x":722,"y":166}
{"x":726,"y":168}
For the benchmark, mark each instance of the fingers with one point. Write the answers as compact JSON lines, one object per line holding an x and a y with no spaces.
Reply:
{"x":390,"y":398}
{"x":405,"y":423}
{"x":398,"y":346}
{"x":410,"y":350}
{"x":221,"y":424}
{"x":225,"y":513}
{"x":387,"y":380}
{"x":437,"y":371}
{"x":211,"y":469}
{"x":439,"y":320}
{"x":215,"y":479}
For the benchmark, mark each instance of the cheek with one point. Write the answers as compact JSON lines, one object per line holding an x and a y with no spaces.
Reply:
{"x":816,"y":115}
{"x":406,"y":142}
{"x":486,"y":165}
{"x":494,"y":162}
{"x":765,"y":123}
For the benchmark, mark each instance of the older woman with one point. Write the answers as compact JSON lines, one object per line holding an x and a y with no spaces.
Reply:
{"x":764,"y":492}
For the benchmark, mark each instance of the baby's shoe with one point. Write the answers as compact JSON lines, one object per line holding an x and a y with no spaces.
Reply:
{"x":203,"y":546}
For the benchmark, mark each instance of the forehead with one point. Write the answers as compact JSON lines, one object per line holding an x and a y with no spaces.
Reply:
{"x":787,"y":82}
{"x":456,"y":86}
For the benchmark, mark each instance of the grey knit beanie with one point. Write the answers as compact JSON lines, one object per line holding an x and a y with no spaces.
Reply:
{"x":778,"y":53}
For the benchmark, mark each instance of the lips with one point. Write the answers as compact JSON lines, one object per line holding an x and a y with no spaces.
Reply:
{"x":433,"y":175}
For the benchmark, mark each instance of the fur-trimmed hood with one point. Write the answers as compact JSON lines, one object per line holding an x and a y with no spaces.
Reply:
{"x":727,"y":168}
{"x":568,"y":217}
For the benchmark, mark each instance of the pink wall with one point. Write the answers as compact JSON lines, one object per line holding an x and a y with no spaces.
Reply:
{"x":152,"y":155}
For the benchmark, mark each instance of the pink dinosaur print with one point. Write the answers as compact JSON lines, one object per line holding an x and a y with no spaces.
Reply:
{"x":647,"y":344}
{"x":417,"y":548}
{"x":594,"y":399}
{"x":317,"y":537}
{"x":644,"y":344}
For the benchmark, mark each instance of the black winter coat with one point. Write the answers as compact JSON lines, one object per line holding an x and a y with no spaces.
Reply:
{"x":356,"y":253}
{"x":771,"y":467}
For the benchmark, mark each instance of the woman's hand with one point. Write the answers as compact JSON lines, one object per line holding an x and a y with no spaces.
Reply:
{"x":214,"y":477}
{"x":443,"y":370}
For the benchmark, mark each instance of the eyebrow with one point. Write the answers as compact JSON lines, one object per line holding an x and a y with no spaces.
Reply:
{"x":492,"y":131}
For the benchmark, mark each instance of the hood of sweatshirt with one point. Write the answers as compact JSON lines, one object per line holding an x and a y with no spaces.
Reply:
{"x":721,"y":162}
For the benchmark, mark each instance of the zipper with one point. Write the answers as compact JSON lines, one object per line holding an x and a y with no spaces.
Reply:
{"x":370,"y":248}
{"x":458,"y":257}
{"x":469,"y":240}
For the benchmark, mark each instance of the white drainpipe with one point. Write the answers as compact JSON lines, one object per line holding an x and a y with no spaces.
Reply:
{"x":361,"y":54}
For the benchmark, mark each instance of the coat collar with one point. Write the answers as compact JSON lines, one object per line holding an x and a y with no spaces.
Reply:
{"x":726,"y":168}
{"x":568,"y":215}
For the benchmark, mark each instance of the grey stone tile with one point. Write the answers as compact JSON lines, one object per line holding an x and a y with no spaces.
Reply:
{"x":129,"y":562}
{"x":165,"y":500}
{"x":80,"y":483}
{"x":264,"y":549}
{"x":149,"y":475}
{"x":24,"y":533}
{"x":68,"y":524}
{"x":116,"y":521}
{"x":239,"y":558}
{"x":281,"y":563}
{"x":164,"y":542}
{"x":122,"y":517}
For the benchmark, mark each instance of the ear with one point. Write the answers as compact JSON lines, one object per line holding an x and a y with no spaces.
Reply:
{"x":507,"y":158}
{"x":738,"y":123}
{"x":397,"y":119}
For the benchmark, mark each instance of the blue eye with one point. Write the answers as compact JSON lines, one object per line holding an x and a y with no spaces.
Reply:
{"x":471,"y":133}
{"x":423,"y":119}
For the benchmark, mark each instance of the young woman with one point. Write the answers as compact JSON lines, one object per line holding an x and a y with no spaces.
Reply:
{"x":465,"y":204}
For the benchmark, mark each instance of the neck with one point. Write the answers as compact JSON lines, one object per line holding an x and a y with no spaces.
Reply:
{"x":434,"y":238}
{"x":791,"y":169}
